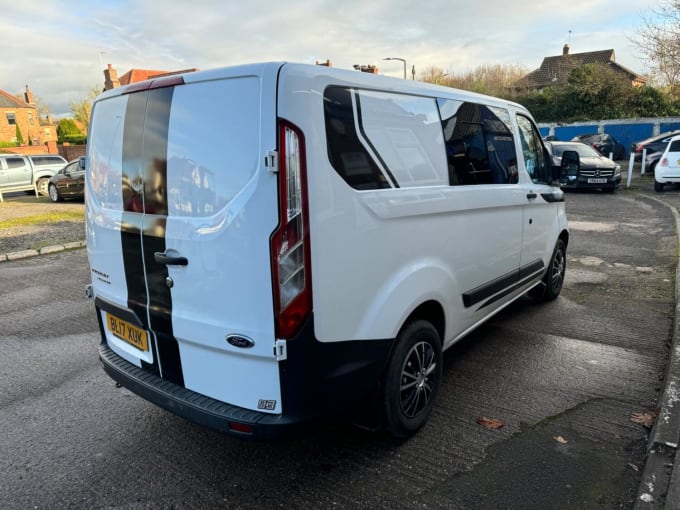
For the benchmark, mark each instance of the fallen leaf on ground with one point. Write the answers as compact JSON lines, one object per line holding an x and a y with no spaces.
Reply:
{"x":645,"y":419}
{"x":490,"y":423}
{"x":560,"y":439}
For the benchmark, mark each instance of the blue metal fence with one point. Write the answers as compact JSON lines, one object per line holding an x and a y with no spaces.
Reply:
{"x":625,"y":131}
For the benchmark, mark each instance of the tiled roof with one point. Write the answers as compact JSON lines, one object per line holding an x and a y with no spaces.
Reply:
{"x":555,"y":70}
{"x":9,"y":101}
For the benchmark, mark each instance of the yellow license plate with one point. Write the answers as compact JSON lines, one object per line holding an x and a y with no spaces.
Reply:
{"x":126,"y":331}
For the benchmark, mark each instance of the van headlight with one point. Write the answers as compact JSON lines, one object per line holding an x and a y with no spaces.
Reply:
{"x":617,"y":170}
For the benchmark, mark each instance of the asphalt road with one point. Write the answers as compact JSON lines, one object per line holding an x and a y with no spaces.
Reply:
{"x":564,"y":378}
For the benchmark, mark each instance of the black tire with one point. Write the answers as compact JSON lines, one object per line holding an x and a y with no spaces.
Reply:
{"x":554,"y":276}
{"x":42,"y":185}
{"x":658,"y":186}
{"x":413,"y":379}
{"x":53,"y":192}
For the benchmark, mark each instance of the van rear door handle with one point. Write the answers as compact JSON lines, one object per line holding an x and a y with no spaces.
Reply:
{"x":532,"y":196}
{"x":169,"y":260}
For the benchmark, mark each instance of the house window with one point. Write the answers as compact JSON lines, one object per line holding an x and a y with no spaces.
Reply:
{"x":11,"y":119}
{"x":30,"y":118}
{"x":48,"y":132}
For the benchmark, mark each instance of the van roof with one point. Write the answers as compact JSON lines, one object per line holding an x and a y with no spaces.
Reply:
{"x":344,"y":76}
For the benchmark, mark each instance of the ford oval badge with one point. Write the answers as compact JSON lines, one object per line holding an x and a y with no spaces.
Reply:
{"x":240,"y":341}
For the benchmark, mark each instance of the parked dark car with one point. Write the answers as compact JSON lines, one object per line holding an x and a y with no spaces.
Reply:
{"x":69,"y":182}
{"x":603,"y":143}
{"x":595,"y":170}
{"x":652,"y":144}
{"x":650,"y":162}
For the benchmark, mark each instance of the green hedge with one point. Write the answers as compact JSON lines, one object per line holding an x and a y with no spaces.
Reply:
{"x":75,"y":140}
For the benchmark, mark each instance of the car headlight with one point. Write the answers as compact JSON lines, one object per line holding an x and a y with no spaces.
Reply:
{"x":617,"y":170}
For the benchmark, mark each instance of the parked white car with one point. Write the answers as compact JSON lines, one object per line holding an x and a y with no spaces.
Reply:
{"x":667,"y":169}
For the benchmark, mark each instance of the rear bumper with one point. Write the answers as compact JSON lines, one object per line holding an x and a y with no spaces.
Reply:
{"x":319,"y":380}
{"x":193,"y":406}
{"x":666,"y":175}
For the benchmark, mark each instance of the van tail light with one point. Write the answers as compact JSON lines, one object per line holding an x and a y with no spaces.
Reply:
{"x":290,"y":252}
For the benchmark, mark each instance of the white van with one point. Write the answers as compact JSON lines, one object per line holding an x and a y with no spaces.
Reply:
{"x":274,"y":243}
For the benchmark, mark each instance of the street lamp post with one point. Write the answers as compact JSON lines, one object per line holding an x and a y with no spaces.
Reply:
{"x":400,"y":59}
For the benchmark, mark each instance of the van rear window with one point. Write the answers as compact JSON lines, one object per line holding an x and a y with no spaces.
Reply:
{"x":179,"y":151}
{"x":213,"y":144}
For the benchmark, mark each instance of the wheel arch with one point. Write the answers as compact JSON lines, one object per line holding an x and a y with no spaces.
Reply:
{"x":564,"y":236}
{"x":430,"y":311}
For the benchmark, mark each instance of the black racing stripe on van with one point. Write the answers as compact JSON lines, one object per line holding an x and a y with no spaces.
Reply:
{"x":155,"y":164}
{"x":360,"y":121}
{"x":131,"y":221}
{"x":144,"y":189}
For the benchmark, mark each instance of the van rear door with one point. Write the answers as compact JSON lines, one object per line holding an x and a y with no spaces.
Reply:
{"x":198,"y":208}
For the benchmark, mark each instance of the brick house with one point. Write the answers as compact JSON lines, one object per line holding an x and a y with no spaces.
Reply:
{"x":24,"y":113}
{"x":554,"y":71}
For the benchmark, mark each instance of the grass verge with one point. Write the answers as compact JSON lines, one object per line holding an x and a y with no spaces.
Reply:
{"x":41,"y":219}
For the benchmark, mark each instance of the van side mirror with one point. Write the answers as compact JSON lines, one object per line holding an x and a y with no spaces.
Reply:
{"x":570,"y":163}
{"x":81,"y":163}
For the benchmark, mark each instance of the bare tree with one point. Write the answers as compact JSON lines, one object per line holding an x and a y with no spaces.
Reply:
{"x":494,"y":80}
{"x":659,"y":43}
{"x":82,"y":109}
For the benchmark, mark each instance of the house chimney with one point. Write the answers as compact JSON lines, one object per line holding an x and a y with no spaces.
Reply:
{"x":565,"y":50}
{"x":28,"y":96}
{"x":111,"y":78}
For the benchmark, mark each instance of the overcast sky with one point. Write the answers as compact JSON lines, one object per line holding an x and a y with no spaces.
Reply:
{"x":60,"y":48}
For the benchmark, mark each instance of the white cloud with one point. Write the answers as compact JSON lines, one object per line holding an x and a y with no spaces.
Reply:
{"x":61,"y":56}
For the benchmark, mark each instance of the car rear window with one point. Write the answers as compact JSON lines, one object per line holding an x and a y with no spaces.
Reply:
{"x":675,"y":146}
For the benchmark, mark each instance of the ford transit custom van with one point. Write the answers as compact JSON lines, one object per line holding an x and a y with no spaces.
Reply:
{"x":275,"y":243}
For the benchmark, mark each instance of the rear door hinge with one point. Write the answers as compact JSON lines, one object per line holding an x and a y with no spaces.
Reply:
{"x":280,"y":350}
{"x":271,"y":161}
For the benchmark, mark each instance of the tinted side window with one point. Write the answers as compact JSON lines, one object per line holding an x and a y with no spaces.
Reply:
{"x":675,"y":146}
{"x":480,"y":146}
{"x":347,"y":155}
{"x":404,"y":132}
{"x":532,"y":151}
{"x":15,"y":162}
{"x":46,"y":160}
